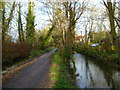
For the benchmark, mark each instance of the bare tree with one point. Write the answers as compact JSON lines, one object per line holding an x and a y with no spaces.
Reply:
{"x":6,"y":22}
{"x":111,"y":12}
{"x":20,"y":26}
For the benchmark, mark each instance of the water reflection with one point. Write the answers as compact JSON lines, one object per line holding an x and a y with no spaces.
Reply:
{"x":95,"y":75}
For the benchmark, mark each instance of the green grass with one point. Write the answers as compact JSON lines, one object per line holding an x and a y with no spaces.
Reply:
{"x":59,"y":74}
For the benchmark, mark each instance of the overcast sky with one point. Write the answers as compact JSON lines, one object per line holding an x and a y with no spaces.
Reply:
{"x":41,"y":18}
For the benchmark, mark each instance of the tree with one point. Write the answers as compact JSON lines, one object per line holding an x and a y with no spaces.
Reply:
{"x":6,"y":22}
{"x":64,"y":18}
{"x":20,"y":27}
{"x":45,"y":38}
{"x":30,"y":28}
{"x":3,"y":21}
{"x":73,"y":11}
{"x":111,"y":12}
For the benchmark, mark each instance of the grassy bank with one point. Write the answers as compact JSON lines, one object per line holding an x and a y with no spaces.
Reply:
{"x":59,"y":73}
{"x":109,"y":57}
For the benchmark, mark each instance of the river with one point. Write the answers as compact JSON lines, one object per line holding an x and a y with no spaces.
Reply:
{"x":92,"y":74}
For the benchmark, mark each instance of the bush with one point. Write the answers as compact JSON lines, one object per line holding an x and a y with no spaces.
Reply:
{"x":12,"y":52}
{"x":114,"y":58}
{"x":36,"y":52}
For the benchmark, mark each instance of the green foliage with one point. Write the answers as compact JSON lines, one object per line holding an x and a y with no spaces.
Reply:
{"x":114,"y":57}
{"x":43,"y":37}
{"x":102,"y":55}
{"x":46,"y":38}
{"x":50,"y":48}
{"x":60,"y":74}
{"x":66,"y":53}
{"x":30,"y":28}
{"x":36,"y":52}
{"x":99,"y":53}
{"x":56,"y":39}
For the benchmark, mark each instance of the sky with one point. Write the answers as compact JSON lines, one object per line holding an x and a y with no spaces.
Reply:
{"x":41,"y":18}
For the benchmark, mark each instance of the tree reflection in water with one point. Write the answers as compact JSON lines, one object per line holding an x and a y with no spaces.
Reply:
{"x":93,"y":74}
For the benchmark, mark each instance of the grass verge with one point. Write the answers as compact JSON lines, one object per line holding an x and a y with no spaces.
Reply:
{"x":59,"y":74}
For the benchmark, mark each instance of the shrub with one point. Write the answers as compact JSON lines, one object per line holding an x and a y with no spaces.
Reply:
{"x":36,"y":52}
{"x":114,"y":58}
{"x":12,"y":52}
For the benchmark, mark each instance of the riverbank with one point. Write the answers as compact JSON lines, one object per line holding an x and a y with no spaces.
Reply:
{"x":109,"y":58}
{"x":59,"y":74}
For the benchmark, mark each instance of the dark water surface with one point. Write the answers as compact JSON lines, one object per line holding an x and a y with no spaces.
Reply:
{"x":94,"y":74}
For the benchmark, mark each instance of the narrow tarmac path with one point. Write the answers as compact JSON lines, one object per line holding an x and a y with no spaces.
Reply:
{"x":35,"y":75}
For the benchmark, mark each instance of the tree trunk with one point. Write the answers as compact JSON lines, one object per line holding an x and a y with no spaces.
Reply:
{"x":111,"y":10}
{"x":10,"y":16}
{"x":20,"y":28}
{"x":6,"y":22}
{"x":30,"y":28}
{"x":3,"y":21}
